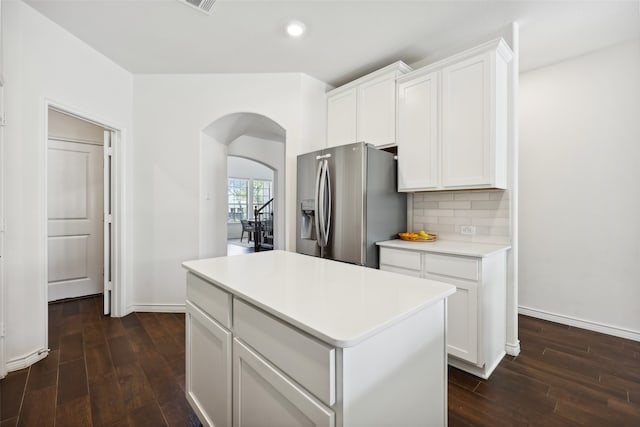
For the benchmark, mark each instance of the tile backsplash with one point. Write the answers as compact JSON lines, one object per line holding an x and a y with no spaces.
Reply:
{"x":447,"y":212}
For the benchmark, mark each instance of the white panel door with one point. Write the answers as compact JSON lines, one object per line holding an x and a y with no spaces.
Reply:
{"x":75,"y":219}
{"x":418,"y":148}
{"x":341,"y":118}
{"x":263,"y":396}
{"x":377,"y":110}
{"x":466,"y":133}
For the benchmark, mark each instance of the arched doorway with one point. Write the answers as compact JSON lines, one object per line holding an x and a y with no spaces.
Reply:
{"x":250,"y":136}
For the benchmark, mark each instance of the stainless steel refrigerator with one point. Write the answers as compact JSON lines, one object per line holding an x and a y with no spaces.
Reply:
{"x":347,"y":200}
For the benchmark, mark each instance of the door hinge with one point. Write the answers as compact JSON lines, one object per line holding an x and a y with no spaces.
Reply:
{"x":109,"y":286}
{"x":2,"y":331}
{"x":3,"y":119}
{"x":108,"y":218}
{"x":110,"y":151}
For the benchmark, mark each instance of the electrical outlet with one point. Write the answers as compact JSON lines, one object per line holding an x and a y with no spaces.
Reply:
{"x":468,"y":229}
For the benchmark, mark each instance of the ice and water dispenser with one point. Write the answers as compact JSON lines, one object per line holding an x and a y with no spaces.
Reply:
{"x":308,"y":219}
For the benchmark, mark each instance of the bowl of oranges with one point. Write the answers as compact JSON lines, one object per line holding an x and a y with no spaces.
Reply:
{"x":420,"y":236}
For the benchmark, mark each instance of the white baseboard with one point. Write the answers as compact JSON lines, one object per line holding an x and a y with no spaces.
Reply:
{"x":156,"y":308}
{"x":513,"y":349}
{"x":580,"y":323}
{"x":26,"y":361}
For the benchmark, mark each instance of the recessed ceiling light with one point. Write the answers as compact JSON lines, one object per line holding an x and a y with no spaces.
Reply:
{"x":296,"y":28}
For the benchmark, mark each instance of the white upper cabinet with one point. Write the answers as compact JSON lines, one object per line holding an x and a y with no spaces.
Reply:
{"x":341,"y":117}
{"x":418,"y":165}
{"x":452,"y":122}
{"x":365,"y":109}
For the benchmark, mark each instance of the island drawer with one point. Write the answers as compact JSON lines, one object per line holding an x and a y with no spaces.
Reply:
{"x":452,"y":266}
{"x":210,"y":299}
{"x":305,"y":359}
{"x":409,"y":260}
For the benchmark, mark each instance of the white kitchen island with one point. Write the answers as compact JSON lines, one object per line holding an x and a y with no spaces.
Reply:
{"x":282,"y":339}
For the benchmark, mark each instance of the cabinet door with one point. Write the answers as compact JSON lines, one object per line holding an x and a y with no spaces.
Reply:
{"x":341,"y":118}
{"x":208,"y":368}
{"x":263,"y":396}
{"x":418,"y":148}
{"x":466,"y":123}
{"x":462,"y":320}
{"x":376,"y":122}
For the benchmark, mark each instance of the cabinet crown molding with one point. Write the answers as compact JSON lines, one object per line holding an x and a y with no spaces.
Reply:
{"x":398,"y":66}
{"x":496,"y":45}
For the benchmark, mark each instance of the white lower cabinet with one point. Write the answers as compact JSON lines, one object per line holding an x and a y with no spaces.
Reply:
{"x":264,"y":396}
{"x":208,"y":367}
{"x":476,"y":317}
{"x":262,"y":371}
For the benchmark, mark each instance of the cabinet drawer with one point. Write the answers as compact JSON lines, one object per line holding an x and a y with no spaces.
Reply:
{"x":211,"y":299}
{"x":305,"y":359}
{"x":406,"y":272}
{"x":399,"y":258}
{"x":452,"y":266}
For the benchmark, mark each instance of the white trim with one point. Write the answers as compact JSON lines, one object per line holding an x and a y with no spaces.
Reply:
{"x":616,"y":331}
{"x":118,"y":191}
{"x":483,"y":372}
{"x":156,"y":308}
{"x":513,"y":349}
{"x":26,"y":361}
{"x":513,"y":256}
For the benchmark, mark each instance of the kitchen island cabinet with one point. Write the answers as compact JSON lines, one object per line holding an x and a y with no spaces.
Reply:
{"x":279,"y":338}
{"x":476,"y":338}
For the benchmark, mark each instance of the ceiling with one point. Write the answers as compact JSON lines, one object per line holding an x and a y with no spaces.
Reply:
{"x":344,"y":39}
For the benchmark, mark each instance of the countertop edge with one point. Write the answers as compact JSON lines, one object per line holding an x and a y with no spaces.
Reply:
{"x":433,"y":247}
{"x":340,"y":342}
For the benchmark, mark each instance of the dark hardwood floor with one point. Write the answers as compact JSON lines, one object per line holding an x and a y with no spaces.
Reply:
{"x":130,"y":372}
{"x":102,"y":371}
{"x":564,"y":376}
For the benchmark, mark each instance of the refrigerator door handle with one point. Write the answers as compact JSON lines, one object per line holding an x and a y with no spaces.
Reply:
{"x":327,"y":218}
{"x":317,"y":203}
{"x":322,"y":241}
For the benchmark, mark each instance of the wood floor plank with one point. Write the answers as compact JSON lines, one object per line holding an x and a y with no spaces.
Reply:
{"x":72,"y":381}
{"x":12,"y":422}
{"x":44,"y":373}
{"x":135,"y":388}
{"x":178,"y":413}
{"x":149,"y":415}
{"x":75,"y":413}
{"x":93,"y":334}
{"x":38,"y":408}
{"x":121,"y":352}
{"x":98,"y":361}
{"x":112,"y":327}
{"x":71,"y":347}
{"x":139,"y":339}
{"x":107,"y":404}
{"x":131,"y":321}
{"x":12,"y":389}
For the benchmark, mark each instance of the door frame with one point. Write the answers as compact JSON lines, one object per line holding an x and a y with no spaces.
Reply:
{"x":117,"y":188}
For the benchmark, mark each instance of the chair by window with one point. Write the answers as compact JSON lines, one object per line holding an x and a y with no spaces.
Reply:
{"x":249,"y":228}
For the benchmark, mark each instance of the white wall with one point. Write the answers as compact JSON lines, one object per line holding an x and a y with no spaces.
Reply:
{"x":170,"y":111}
{"x":238,"y":167}
{"x":42,"y":62}
{"x":579,"y":189}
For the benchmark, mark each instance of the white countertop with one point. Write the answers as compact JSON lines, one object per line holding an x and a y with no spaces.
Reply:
{"x":452,"y":247}
{"x":341,"y":304}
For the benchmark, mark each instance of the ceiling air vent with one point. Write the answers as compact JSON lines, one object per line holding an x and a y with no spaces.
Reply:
{"x":204,"y":6}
